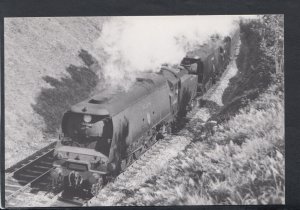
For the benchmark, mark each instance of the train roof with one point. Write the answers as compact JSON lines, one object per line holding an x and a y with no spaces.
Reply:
{"x":113,"y":100}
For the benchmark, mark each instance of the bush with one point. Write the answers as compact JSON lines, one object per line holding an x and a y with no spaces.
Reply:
{"x":256,"y":71}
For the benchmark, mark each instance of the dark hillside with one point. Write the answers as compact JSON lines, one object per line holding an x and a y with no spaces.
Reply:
{"x":255,"y":71}
{"x":54,"y":101}
{"x":255,"y":68}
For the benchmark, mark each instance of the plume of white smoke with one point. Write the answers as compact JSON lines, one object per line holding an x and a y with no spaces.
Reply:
{"x":137,"y":44}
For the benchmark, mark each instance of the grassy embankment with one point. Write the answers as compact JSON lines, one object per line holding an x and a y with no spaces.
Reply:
{"x":48,"y":67}
{"x":242,"y":162}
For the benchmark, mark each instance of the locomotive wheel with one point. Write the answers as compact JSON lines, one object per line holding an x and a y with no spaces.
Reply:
{"x":96,"y":187}
{"x":57,"y":180}
{"x":191,"y":105}
{"x":164,"y":129}
{"x":169,"y":128}
{"x":146,"y":146}
{"x":131,"y":160}
{"x":138,"y":153}
{"x":161,"y":132}
{"x":127,"y":162}
{"x":123,"y":165}
{"x":153,"y":140}
{"x":150,"y":141}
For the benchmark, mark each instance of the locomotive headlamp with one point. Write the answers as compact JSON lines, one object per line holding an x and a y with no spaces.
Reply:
{"x":87,"y":118}
{"x":60,"y":156}
{"x":96,"y":176}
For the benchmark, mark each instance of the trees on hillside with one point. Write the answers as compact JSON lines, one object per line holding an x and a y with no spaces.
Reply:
{"x":273,"y":39}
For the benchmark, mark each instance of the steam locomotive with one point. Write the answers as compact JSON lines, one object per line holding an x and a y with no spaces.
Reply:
{"x":104,"y":134}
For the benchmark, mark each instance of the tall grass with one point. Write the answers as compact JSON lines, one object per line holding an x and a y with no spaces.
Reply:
{"x":242,"y":162}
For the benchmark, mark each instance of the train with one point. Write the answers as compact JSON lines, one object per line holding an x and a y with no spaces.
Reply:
{"x":102,"y":135}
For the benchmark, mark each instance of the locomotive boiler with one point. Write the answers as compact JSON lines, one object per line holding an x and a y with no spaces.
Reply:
{"x":104,"y":134}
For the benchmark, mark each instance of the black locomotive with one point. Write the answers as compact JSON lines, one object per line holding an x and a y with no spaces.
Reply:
{"x":104,"y":134}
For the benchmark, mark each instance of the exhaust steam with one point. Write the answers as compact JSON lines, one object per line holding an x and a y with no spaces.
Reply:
{"x":129,"y":45}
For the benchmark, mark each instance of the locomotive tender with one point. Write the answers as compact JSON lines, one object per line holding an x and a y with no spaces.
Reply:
{"x":104,"y":134}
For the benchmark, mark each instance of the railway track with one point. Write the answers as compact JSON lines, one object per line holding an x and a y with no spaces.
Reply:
{"x":79,"y":202}
{"x":31,"y":173}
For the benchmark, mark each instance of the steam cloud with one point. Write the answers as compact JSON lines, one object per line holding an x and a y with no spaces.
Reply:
{"x":129,"y":45}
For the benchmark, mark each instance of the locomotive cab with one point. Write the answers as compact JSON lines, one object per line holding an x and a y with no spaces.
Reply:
{"x":86,"y":134}
{"x":84,"y":148}
{"x":88,"y":131}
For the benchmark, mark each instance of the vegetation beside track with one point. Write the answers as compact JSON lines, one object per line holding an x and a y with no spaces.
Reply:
{"x":242,"y":160}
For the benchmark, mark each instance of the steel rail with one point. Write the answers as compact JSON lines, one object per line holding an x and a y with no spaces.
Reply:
{"x":27,"y":185}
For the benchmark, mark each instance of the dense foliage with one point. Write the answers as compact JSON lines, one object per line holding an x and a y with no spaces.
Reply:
{"x":256,"y":66}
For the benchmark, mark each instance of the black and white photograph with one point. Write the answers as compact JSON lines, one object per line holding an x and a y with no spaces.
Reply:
{"x":173,"y":110}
